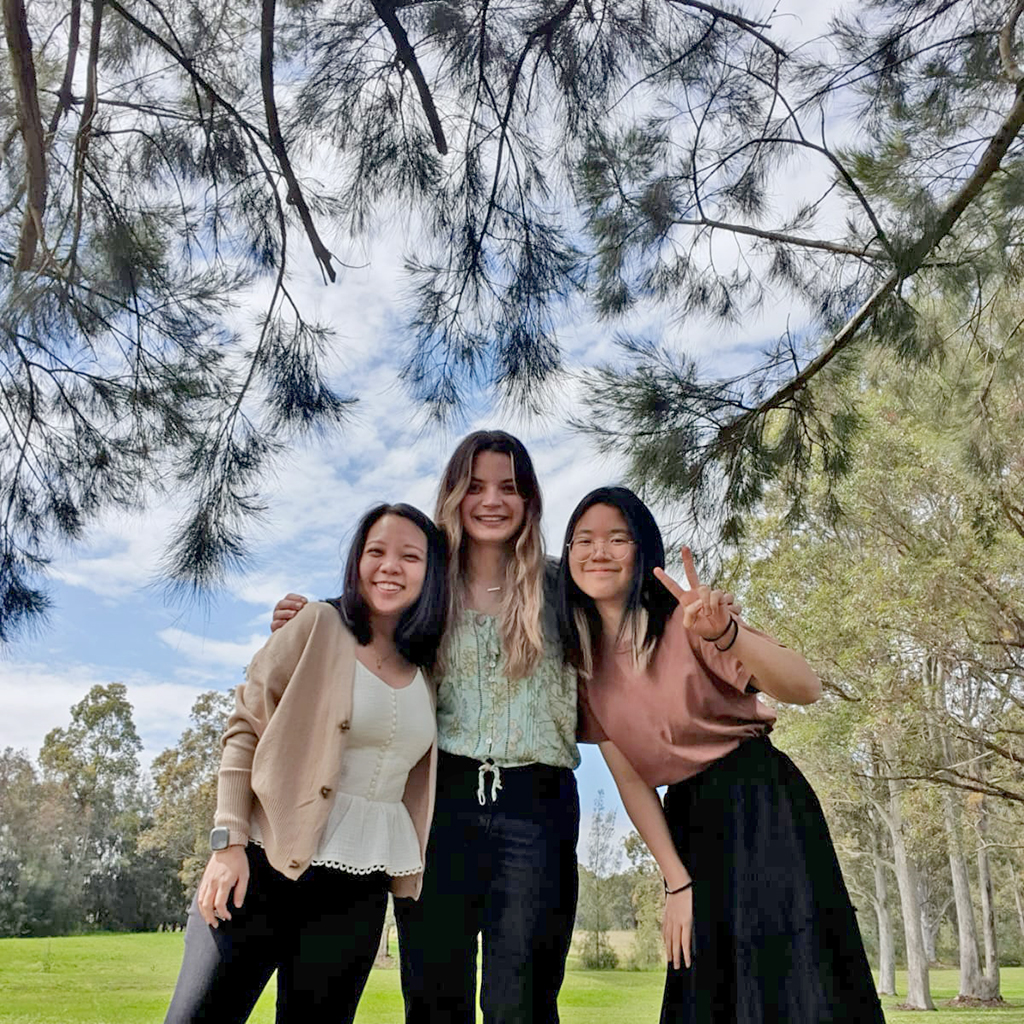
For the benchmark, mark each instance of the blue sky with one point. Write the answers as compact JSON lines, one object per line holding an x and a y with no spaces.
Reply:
{"x":110,"y":623}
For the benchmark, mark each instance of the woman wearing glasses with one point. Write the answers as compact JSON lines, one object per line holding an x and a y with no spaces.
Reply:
{"x":758,"y":925}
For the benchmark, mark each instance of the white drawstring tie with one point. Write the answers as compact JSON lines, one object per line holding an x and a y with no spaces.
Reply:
{"x":481,"y":794}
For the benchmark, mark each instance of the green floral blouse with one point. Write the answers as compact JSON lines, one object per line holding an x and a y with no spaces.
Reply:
{"x":483,"y":715}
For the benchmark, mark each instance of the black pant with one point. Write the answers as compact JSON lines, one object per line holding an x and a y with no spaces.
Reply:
{"x":506,"y":870}
{"x":320,"y":933}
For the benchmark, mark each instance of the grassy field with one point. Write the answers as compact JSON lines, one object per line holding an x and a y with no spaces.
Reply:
{"x":127,"y":979}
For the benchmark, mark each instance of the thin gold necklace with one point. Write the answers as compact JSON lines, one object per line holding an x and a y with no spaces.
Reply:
{"x":381,"y":659}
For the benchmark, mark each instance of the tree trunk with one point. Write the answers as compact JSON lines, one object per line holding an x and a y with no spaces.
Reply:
{"x":385,"y":938}
{"x":988,"y":914}
{"x":886,"y":941}
{"x":918,"y":989}
{"x":972,"y":984}
{"x":1017,"y":899}
{"x":971,"y":981}
{"x":929,"y":924}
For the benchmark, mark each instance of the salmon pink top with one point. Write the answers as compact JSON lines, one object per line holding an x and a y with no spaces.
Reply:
{"x":690,"y":707}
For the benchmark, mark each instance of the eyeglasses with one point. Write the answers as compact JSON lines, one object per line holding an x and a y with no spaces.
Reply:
{"x":584,"y":548}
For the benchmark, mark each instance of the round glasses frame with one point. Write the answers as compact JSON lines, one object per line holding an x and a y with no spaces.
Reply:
{"x":609,"y":546}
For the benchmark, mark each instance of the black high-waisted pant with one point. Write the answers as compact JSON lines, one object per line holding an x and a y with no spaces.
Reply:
{"x":320,"y":933}
{"x":506,"y":871}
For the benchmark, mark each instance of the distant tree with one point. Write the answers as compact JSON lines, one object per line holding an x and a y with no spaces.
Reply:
{"x":92,"y":782}
{"x":185,"y":789}
{"x":602,"y":862}
{"x":19,"y":793}
{"x":648,"y":905}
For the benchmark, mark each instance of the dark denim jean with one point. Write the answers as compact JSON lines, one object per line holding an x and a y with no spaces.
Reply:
{"x":505,"y":871}
{"x":319,"y":933}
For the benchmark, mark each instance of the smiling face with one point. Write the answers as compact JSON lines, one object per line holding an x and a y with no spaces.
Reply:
{"x":602,"y":577}
{"x":492,"y":510}
{"x":392,"y":566}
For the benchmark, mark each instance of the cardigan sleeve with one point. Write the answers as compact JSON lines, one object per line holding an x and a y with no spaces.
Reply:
{"x":255,"y":702}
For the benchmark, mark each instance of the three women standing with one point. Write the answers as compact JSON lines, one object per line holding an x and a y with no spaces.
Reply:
{"x":758,"y":924}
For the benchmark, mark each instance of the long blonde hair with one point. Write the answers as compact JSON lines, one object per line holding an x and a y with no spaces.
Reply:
{"x":522,"y":638}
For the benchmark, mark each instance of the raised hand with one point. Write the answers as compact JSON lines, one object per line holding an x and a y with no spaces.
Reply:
{"x":287,"y":608}
{"x":707,"y":612}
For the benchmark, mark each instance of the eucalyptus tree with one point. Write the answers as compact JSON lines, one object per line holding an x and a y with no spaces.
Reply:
{"x":911,"y":603}
{"x":185,"y":790}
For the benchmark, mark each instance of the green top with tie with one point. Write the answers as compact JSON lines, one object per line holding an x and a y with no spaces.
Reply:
{"x":484,"y":715}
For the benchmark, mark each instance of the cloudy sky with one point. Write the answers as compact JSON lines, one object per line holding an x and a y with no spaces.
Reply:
{"x":111,"y":623}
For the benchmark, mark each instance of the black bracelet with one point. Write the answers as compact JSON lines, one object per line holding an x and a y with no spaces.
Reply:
{"x":672,"y":892}
{"x":736,"y":633}
{"x":712,"y":639}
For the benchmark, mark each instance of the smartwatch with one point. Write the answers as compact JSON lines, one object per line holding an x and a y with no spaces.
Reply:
{"x":220,"y":837}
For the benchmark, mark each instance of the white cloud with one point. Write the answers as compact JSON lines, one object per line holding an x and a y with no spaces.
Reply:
{"x":207,"y":651}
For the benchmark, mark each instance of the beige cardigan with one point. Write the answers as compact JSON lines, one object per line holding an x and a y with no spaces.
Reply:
{"x":285,"y":740}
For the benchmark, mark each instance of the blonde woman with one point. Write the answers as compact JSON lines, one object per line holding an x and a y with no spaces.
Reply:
{"x":501,"y":861}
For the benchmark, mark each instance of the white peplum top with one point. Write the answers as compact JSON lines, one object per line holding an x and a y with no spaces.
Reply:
{"x":369,"y":828}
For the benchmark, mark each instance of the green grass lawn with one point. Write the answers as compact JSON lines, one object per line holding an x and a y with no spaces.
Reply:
{"x":127,"y":979}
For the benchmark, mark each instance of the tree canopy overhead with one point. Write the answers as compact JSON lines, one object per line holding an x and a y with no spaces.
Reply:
{"x":160,"y":160}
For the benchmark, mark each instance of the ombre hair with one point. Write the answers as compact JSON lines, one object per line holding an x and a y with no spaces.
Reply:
{"x":522,"y":637}
{"x":648,"y":604}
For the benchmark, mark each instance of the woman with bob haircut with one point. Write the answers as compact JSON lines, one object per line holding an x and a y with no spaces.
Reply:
{"x":326,"y":788}
{"x":501,"y":861}
{"x":758,"y":924}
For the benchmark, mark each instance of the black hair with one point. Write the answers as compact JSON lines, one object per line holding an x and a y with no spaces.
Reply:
{"x":646,"y":594}
{"x":421,"y":626}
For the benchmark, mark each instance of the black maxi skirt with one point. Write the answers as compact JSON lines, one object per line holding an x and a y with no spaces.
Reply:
{"x":775,"y":936}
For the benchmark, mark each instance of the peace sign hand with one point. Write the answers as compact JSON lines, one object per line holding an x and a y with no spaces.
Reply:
{"x":707,"y":612}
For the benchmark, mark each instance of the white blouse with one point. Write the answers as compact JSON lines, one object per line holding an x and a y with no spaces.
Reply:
{"x":369,"y":828}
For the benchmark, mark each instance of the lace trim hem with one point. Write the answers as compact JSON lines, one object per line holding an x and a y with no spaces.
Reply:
{"x":336,"y":865}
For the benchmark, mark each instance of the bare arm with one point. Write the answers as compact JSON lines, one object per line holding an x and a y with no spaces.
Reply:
{"x":644,"y":809}
{"x":778,"y":671}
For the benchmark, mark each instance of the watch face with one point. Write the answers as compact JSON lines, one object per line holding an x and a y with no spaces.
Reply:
{"x":219,"y":838}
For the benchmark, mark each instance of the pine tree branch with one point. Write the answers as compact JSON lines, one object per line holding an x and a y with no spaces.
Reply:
{"x":1010,"y":66}
{"x":748,"y":26}
{"x":23,"y":74}
{"x":64,"y":95}
{"x":780,"y":236}
{"x":84,"y":133}
{"x":911,"y":260}
{"x":295,"y":196}
{"x":406,"y":54}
